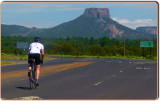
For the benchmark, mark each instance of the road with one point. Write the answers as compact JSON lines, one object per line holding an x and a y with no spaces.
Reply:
{"x":82,"y":78}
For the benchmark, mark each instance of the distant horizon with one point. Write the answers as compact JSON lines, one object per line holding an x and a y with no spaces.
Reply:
{"x":49,"y":15}
{"x":59,"y":24}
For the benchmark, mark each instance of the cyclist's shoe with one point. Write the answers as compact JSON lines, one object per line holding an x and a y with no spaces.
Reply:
{"x":37,"y":84}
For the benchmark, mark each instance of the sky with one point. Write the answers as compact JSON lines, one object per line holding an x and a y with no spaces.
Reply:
{"x":47,"y":15}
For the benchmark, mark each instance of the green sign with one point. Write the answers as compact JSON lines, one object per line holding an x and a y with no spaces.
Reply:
{"x":146,"y":44}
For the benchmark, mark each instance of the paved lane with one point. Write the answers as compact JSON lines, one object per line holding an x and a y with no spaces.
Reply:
{"x":99,"y":79}
{"x":46,"y":63}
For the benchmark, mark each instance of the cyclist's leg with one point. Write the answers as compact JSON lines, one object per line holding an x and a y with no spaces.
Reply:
{"x":30,"y":62}
{"x":29,"y":70}
{"x":29,"y":67}
{"x":37,"y":71}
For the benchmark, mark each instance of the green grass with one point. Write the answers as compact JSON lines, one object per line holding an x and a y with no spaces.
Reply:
{"x":13,"y":57}
{"x":16,"y":57}
{"x":5,"y":63}
{"x":112,"y":57}
{"x":25,"y":57}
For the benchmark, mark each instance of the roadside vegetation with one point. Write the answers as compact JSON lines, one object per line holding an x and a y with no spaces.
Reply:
{"x":5,"y":63}
{"x":6,"y":56}
{"x":103,"y":47}
{"x":111,"y":57}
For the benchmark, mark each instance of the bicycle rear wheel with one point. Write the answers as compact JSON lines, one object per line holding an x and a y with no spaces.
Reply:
{"x":34,"y":75}
{"x":30,"y":84}
{"x":32,"y":80}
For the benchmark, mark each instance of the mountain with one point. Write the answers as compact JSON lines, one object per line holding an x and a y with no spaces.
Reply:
{"x":17,"y":30}
{"x":13,"y":30}
{"x":94,"y":22}
{"x":152,"y":30}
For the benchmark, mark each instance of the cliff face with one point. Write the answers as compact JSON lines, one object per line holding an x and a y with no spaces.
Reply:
{"x":151,"y":30}
{"x":102,"y":15}
{"x":98,"y":13}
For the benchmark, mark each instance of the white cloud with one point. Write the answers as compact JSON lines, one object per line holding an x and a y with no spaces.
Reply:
{"x":136,"y":23}
{"x":122,"y":21}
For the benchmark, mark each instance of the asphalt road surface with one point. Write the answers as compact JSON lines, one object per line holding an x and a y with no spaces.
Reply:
{"x":82,"y":78}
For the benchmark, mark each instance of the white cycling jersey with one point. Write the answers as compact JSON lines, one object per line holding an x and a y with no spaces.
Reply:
{"x":35,"y":47}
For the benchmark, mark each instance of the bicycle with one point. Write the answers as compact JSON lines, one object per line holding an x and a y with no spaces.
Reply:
{"x":32,"y":78}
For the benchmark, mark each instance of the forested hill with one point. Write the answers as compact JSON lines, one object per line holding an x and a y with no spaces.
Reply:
{"x":13,"y":30}
{"x":94,"y":22}
{"x":17,"y":30}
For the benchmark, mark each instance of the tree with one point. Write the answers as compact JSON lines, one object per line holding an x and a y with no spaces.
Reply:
{"x":96,"y":50}
{"x":104,"y":41}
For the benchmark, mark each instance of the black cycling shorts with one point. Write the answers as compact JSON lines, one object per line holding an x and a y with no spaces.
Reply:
{"x":36,"y":57}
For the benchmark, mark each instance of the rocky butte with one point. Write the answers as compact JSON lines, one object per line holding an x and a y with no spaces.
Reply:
{"x":103,"y":15}
{"x":98,"y":13}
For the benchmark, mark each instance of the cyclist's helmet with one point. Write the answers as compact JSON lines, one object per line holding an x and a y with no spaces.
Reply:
{"x":36,"y":39}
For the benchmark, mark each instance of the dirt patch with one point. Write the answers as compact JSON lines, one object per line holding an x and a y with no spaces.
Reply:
{"x":46,"y":70}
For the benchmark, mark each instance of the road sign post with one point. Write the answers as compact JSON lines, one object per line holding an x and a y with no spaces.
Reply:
{"x":144,"y":44}
{"x":150,"y":52}
{"x":143,"y":52}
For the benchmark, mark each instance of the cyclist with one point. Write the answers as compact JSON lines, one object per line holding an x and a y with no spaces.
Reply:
{"x":35,"y":49}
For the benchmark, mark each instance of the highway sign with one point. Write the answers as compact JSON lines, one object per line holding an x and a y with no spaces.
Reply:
{"x":146,"y":44}
{"x":22,"y":45}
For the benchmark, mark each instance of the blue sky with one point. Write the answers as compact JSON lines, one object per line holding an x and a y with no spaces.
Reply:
{"x":46,"y":15}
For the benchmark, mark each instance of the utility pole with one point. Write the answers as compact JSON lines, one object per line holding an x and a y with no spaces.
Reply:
{"x":124,"y":48}
{"x":123,"y":45}
{"x":75,"y":41}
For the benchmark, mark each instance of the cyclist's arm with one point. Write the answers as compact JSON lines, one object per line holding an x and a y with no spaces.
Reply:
{"x":29,"y":49}
{"x":42,"y":54}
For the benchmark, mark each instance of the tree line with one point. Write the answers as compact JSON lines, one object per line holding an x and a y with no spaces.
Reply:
{"x":78,"y":46}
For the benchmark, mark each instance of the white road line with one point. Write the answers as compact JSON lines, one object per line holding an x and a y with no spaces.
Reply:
{"x":120,"y":71}
{"x":139,"y":68}
{"x":147,"y":68}
{"x":28,"y":98}
{"x":97,"y":83}
{"x":113,"y":75}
